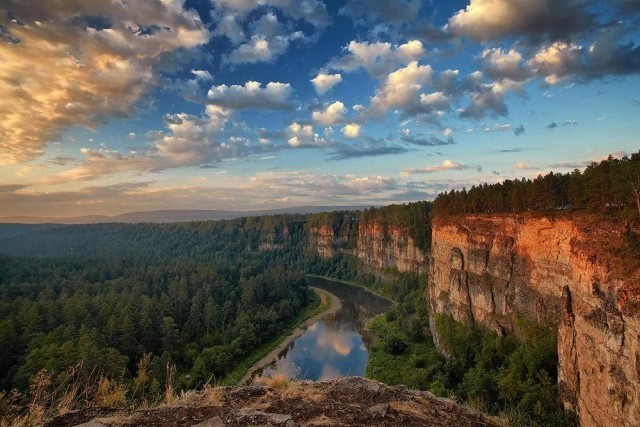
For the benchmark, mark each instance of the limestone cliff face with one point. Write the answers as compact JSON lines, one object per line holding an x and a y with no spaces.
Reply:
{"x":488,"y":268}
{"x":383,"y":247}
{"x":378,"y":246}
{"x":325,"y":240}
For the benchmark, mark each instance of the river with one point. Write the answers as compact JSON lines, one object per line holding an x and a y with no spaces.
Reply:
{"x":333,"y":346}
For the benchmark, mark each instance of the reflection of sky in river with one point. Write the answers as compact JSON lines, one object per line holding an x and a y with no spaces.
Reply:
{"x":325,"y":350}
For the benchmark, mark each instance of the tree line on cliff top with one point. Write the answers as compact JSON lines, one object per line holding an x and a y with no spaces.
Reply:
{"x":611,"y":186}
{"x":414,"y":218}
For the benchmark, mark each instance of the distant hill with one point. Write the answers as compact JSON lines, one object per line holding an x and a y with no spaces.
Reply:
{"x":163,"y":216}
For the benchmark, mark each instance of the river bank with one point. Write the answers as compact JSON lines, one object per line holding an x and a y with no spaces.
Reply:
{"x":333,"y":304}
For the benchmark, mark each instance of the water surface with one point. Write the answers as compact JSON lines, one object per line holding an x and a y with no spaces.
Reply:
{"x":334,"y":346}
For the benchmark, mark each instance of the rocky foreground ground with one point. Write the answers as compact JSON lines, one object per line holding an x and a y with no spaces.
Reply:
{"x":350,"y":401}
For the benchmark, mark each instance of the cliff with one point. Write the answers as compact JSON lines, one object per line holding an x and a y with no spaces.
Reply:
{"x":347,"y":401}
{"x":567,"y":271}
{"x":378,"y":246}
{"x":382,"y":247}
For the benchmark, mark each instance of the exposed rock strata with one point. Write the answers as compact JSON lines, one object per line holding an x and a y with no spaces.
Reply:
{"x":487,"y":269}
{"x":379,"y":247}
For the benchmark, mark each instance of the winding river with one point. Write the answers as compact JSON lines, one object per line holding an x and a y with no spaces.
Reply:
{"x":333,"y":346}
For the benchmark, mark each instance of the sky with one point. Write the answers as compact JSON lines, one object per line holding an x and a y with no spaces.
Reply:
{"x":113,"y":106}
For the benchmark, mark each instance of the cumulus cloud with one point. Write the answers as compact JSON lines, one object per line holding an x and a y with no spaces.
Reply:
{"x":351,"y":130}
{"x":437,"y":100}
{"x":66,"y":70}
{"x":332,"y":114}
{"x":378,"y":58}
{"x":489,"y":98}
{"x":324,"y":82}
{"x":608,"y":55}
{"x":274,"y":96}
{"x":303,"y":136}
{"x":261,"y":48}
{"x":401,"y":90}
{"x":189,"y":141}
{"x":485,"y":20}
{"x":311,"y":11}
{"x":263,"y":37}
{"x":447,"y":165}
{"x":501,"y":64}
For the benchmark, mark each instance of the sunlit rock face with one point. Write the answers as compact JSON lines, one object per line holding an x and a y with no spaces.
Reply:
{"x":487,"y":269}
{"x":378,"y":246}
{"x":383,"y":247}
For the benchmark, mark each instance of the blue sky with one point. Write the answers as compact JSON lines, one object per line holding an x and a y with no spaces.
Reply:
{"x":112,"y":106}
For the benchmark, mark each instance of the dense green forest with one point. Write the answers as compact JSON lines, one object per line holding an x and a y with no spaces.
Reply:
{"x":611,"y":186}
{"x":115,"y":301}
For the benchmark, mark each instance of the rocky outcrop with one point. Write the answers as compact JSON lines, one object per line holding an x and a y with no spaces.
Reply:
{"x":381,"y":247}
{"x":340,"y":402}
{"x":325,"y":240}
{"x":487,"y":269}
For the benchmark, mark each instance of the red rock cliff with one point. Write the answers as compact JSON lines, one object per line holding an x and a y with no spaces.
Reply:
{"x":488,"y":268}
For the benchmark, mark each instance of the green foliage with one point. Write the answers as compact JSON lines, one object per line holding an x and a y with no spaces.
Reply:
{"x":505,"y":374}
{"x":414,"y":217}
{"x":611,"y":186}
{"x":123,"y":302}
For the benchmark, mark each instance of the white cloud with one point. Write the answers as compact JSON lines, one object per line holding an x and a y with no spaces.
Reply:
{"x":447,"y":165}
{"x":64,"y":72}
{"x":324,"y":82}
{"x":202,"y":74}
{"x":500,"y":64}
{"x":378,"y":58}
{"x":303,"y":136}
{"x":437,"y":101}
{"x":312,"y":11}
{"x":230,"y":27}
{"x":190,"y":141}
{"x":556,"y":61}
{"x":352,"y":130}
{"x":334,"y":113}
{"x":262,"y":49}
{"x":274,"y":96}
{"x":401,"y":89}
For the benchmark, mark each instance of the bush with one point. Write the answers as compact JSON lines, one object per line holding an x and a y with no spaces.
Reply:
{"x":395,"y":345}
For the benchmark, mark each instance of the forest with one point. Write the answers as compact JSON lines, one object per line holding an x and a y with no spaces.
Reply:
{"x":123,"y":303}
{"x":610,"y":187}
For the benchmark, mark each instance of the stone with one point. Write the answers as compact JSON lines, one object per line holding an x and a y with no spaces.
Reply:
{"x":379,"y":410}
{"x":211,"y":422}
{"x":277,"y":419}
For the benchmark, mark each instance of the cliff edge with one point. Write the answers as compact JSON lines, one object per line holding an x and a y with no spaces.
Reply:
{"x":349,"y":401}
{"x":563,"y":270}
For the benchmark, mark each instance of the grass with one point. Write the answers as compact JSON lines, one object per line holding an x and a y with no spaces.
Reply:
{"x":320,"y":303}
